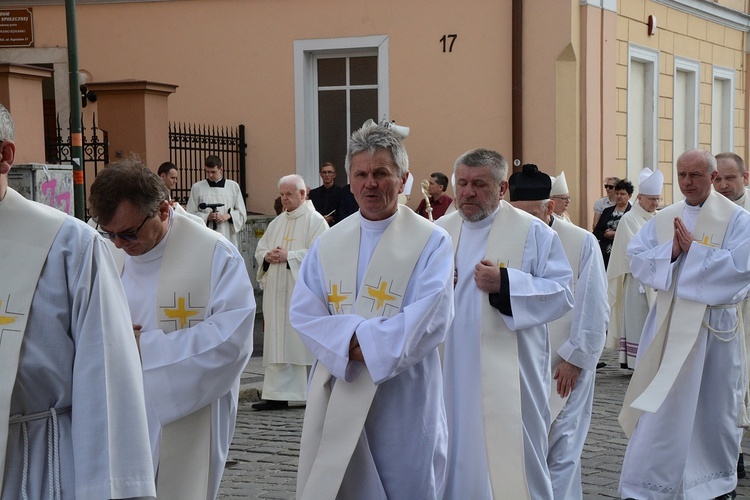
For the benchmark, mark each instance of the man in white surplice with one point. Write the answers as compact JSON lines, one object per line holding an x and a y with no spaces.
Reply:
{"x":576,"y":339}
{"x":629,"y":300}
{"x":732,"y":178}
{"x":279,"y":255}
{"x":731,"y":181}
{"x":229,"y":218}
{"x":374,"y":310}
{"x":193,"y":311}
{"x":682,"y":405}
{"x":512,"y":279}
{"x":74,"y":379}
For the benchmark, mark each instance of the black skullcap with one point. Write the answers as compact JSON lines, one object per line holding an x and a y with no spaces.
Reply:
{"x":530,"y":184}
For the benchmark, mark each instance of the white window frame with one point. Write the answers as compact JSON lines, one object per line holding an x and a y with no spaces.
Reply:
{"x":686,"y":66}
{"x":727,"y":77}
{"x":651,"y":130}
{"x":305,"y":90}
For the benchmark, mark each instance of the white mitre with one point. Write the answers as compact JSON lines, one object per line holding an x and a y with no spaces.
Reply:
{"x":559,"y":186}
{"x":650,"y":183}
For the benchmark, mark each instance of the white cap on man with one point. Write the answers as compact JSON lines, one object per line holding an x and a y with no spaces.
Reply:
{"x":559,"y":186}
{"x":650,"y":182}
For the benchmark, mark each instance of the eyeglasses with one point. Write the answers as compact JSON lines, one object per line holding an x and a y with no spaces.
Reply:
{"x":127,"y":236}
{"x":327,"y":173}
{"x":566,"y":199}
{"x":608,"y":186}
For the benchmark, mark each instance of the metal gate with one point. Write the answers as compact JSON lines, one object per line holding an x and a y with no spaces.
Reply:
{"x":190,"y":144}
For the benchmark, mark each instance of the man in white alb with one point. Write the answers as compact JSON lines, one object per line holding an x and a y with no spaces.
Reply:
{"x":496,"y":360}
{"x":684,"y":400}
{"x":279,"y":255}
{"x":374,"y":311}
{"x":576,"y":339}
{"x":69,"y":374}
{"x":629,"y":300}
{"x":218,"y":201}
{"x":193,"y":311}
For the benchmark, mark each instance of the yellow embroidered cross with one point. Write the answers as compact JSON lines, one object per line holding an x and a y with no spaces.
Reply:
{"x":6,"y":320}
{"x":336,"y":299}
{"x":180,"y":312}
{"x":288,"y":238}
{"x":379,"y":294}
{"x":707,"y":241}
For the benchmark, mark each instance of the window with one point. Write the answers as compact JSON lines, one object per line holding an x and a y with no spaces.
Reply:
{"x":722,"y":110}
{"x":685,"y":113}
{"x":339,"y":84}
{"x":642,"y":116}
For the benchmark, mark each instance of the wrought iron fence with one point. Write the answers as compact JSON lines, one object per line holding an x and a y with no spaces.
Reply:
{"x":95,"y":151}
{"x":190,"y":144}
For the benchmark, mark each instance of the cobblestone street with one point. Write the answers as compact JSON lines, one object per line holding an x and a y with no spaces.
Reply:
{"x":266,"y":445}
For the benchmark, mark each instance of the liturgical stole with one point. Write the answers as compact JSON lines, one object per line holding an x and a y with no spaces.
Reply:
{"x":182,"y":296}
{"x":572,"y":238}
{"x":678,"y":320}
{"x":501,"y":383}
{"x":28,"y":230}
{"x":335,"y":417}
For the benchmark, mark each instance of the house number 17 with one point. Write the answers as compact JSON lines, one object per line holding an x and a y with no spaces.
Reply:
{"x":448,"y":41}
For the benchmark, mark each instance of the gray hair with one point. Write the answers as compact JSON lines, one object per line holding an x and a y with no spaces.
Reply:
{"x":376,"y":138}
{"x":484,"y":158}
{"x":295,"y":179}
{"x":707,"y":158}
{"x":7,"y":131}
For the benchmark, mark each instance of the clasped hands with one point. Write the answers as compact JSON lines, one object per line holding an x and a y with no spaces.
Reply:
{"x":682,"y":239}
{"x":276,"y":256}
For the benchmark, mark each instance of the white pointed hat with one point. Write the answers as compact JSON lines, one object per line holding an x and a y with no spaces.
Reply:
{"x":559,"y":186}
{"x":650,"y":183}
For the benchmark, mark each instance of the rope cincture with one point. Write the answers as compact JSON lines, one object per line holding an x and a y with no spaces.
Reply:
{"x":53,"y":449}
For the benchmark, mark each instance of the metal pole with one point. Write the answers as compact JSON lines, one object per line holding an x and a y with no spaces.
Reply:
{"x":76,"y":137}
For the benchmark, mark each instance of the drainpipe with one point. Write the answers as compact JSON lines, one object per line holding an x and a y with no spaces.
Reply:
{"x":517,"y":83}
{"x":76,"y":137}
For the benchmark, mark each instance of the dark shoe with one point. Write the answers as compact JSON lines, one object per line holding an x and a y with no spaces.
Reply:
{"x":741,"y":468}
{"x":271,"y":405}
{"x":729,"y":496}
{"x":601,"y":364}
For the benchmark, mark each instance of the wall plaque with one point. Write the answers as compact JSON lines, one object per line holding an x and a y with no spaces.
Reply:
{"x":16,"y":28}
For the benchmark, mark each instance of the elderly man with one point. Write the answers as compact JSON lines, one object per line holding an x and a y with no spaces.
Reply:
{"x":327,"y":197}
{"x":686,"y":391}
{"x":560,"y":194}
{"x":69,"y":373}
{"x":279,"y":255}
{"x":193,"y":314}
{"x":732,"y":178}
{"x":439,"y":201}
{"x":507,"y":290}
{"x":218,"y":201}
{"x":629,"y":300}
{"x":374,"y":312}
{"x":576,"y":339}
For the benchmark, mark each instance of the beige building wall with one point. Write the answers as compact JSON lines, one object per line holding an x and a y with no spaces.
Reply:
{"x":233,"y":61}
{"x":679,"y":34}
